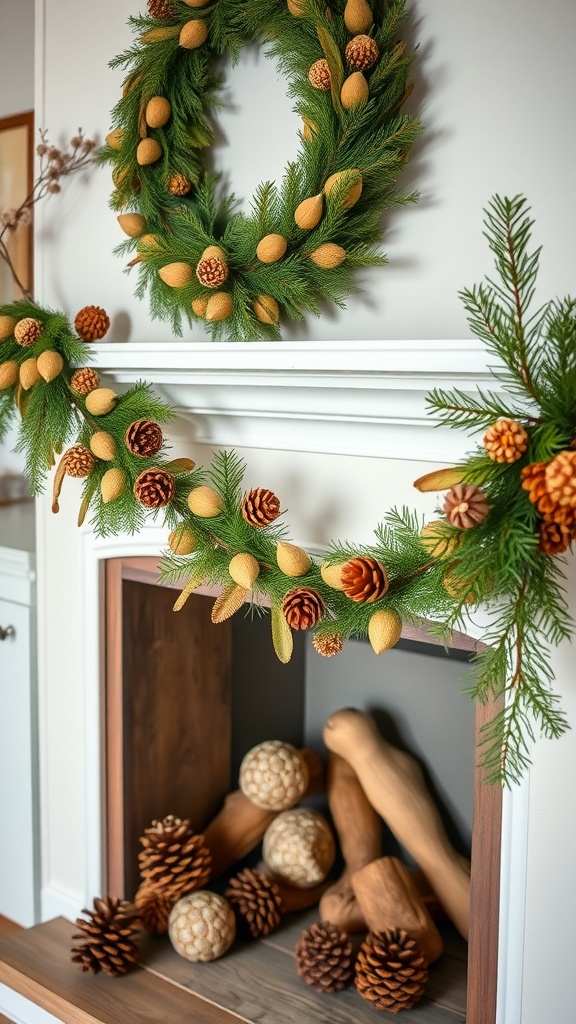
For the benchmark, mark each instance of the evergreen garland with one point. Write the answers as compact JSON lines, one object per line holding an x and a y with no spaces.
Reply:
{"x":368,"y":139}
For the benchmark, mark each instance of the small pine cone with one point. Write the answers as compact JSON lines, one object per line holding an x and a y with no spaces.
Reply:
{"x":319,"y":75}
{"x":84,"y":381}
{"x":260,"y":507}
{"x":108,"y":938}
{"x":153,"y":909}
{"x":534,"y":482}
{"x":324,"y":957}
{"x":179,"y":184}
{"x":555,"y":537}
{"x":79,"y":461}
{"x":362,"y":52}
{"x":212,"y":272}
{"x":506,"y":441}
{"x":364,"y":579}
{"x":561,"y":479}
{"x":391,"y":970}
{"x":143,"y":438}
{"x":465,"y":506}
{"x":256,"y":901}
{"x":161,"y":9}
{"x":302,"y":608}
{"x":154,"y":488}
{"x":328,"y":644}
{"x":92,"y":323}
{"x":27,"y":331}
{"x":174,"y":859}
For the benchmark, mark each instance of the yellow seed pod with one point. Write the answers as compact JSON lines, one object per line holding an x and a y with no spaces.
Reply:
{"x":244,"y":570}
{"x":50,"y":365}
{"x":132,"y":224}
{"x":358,"y":16}
{"x":308,"y":213}
{"x":101,"y":401}
{"x":271,"y":248}
{"x":292,"y":560}
{"x":193,"y":34}
{"x":182,"y":541}
{"x":176,"y":275}
{"x":219,"y":306}
{"x":205,"y":502}
{"x":439,"y":540}
{"x":8,"y":374}
{"x":115,"y":139}
{"x":354,"y":192}
{"x":112,"y":484}
{"x":158,"y":111}
{"x":29,"y":375}
{"x":103,"y":445}
{"x":266,"y":309}
{"x":196,"y":3}
{"x":384,"y":630}
{"x":456,"y":586}
{"x":213,"y":252}
{"x":7,"y":325}
{"x":147,"y":242}
{"x":328,"y":256}
{"x":199,"y":305}
{"x":159,"y":35}
{"x":332,"y":575}
{"x":149,"y":152}
{"x":296,"y":8}
{"x":440,"y":479}
{"x":354,"y":90}
{"x":310,"y":129}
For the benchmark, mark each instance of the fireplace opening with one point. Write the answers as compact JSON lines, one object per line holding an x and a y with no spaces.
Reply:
{"x":185,"y":701}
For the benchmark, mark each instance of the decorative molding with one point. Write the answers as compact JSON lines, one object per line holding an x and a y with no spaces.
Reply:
{"x":17,"y":576}
{"x":21,"y":1010}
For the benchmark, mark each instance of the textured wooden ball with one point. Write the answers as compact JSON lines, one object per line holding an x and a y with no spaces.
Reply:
{"x":299,"y":847}
{"x":274,"y":775}
{"x":202,"y":926}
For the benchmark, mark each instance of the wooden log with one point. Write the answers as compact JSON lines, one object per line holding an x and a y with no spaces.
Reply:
{"x":393,"y":782}
{"x":389,"y":898}
{"x":339,"y":906}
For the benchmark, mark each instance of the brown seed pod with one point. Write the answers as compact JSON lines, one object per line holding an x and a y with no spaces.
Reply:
{"x":506,"y":441}
{"x":78,"y":461}
{"x":154,"y":488}
{"x":161,"y":9}
{"x":362,"y":52}
{"x":319,"y":75}
{"x":91,"y":323}
{"x":260,"y":507}
{"x":144,"y":438}
{"x":302,"y":608}
{"x":465,"y":506}
{"x":212,"y":271}
{"x":365,"y":580}
{"x":328,"y":644}
{"x":27,"y":331}
{"x":84,"y":380}
{"x":179,"y":184}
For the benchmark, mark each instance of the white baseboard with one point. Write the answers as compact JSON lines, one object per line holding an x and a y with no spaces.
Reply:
{"x":21,"y":1010}
{"x":60,"y":903}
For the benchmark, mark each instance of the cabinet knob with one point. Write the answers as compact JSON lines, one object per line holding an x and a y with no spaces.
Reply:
{"x":5,"y":633}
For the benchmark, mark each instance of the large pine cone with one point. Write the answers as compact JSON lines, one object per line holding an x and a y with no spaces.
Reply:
{"x":364,"y":579}
{"x":506,"y":441}
{"x":533,"y":479}
{"x":144,"y":438}
{"x":561,"y":479}
{"x":153,"y":909}
{"x":84,"y":380}
{"x":108,"y":938}
{"x":92,"y":323}
{"x":256,"y":901}
{"x":302,"y":608}
{"x":174,"y":858}
{"x":391,"y":970}
{"x":324,"y":958}
{"x":154,"y":487}
{"x":260,"y":507}
{"x":465,"y":506}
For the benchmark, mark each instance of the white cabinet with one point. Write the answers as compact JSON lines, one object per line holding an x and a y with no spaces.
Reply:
{"x":19,"y":855}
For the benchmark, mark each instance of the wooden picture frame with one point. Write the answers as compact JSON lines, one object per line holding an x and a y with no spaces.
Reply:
{"x":16,"y":182}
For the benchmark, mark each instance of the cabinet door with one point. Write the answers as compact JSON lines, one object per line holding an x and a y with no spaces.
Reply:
{"x":18,"y":792}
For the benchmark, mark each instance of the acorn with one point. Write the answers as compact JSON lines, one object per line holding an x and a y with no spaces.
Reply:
{"x":8,"y":374}
{"x":29,"y":375}
{"x":266,"y":309}
{"x":199,"y":305}
{"x":103,"y":445}
{"x":101,"y":401}
{"x":176,"y":275}
{"x":219,"y":306}
{"x":205,"y":502}
{"x":354,"y":192}
{"x":149,"y":152}
{"x":308,"y":213}
{"x":7,"y":325}
{"x":244,"y":570}
{"x":115,"y":139}
{"x":193,"y":34}
{"x":158,"y":111}
{"x":112,"y":485}
{"x":355,"y":90}
{"x":358,"y":16}
{"x":384,"y":629}
{"x":271,"y":248}
{"x":132,"y":224}
{"x":50,"y":364}
{"x":182,"y":541}
{"x":331,"y":574}
{"x":292,"y":560}
{"x":328,"y":256}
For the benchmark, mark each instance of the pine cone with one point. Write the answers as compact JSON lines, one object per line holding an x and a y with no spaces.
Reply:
{"x":362,"y":52}
{"x":256,"y":901}
{"x":391,"y":970}
{"x":174,"y":859}
{"x":324,"y":958}
{"x":153,"y":909}
{"x":534,"y":481}
{"x":561,"y":479}
{"x":79,"y":461}
{"x":212,"y":272}
{"x":302,"y":608}
{"x":108,"y":935}
{"x":328,"y":644}
{"x":319,"y":75}
{"x":84,"y":380}
{"x":161,"y":9}
{"x":27,"y":331}
{"x":465,"y":506}
{"x":179,"y":185}
{"x":92,"y":323}
{"x":506,"y":441}
{"x":260,"y":507}
{"x":555,"y":537}
{"x":154,"y":488}
{"x":364,"y":579}
{"x":143,"y":438}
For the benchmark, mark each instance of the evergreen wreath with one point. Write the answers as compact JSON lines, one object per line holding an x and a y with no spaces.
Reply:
{"x":508,"y":512}
{"x":302,"y":241}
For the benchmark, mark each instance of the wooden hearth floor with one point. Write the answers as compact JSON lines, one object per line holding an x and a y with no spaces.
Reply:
{"x":253,"y":983}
